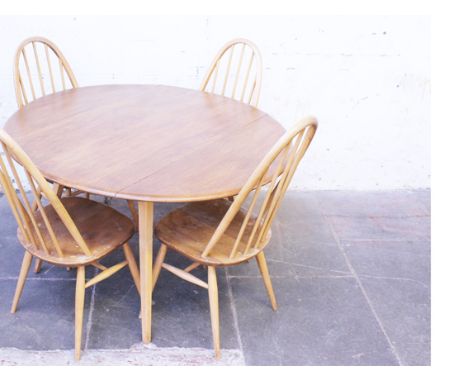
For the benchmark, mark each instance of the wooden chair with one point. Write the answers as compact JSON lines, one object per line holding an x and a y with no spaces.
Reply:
{"x":245,"y":81}
{"x":40,"y":68}
{"x":70,"y":232}
{"x":226,"y":233}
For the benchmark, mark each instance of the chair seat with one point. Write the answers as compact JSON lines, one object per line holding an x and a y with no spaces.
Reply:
{"x":188,"y":230}
{"x":103,"y":229}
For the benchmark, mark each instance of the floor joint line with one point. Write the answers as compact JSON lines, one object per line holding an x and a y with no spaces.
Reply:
{"x":234,"y":313}
{"x":90,"y":315}
{"x":363,"y":291}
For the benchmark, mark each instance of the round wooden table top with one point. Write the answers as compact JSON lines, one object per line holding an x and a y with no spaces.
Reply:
{"x":145,"y":142}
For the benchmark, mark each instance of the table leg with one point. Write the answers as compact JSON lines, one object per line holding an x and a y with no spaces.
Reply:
{"x":145,"y":224}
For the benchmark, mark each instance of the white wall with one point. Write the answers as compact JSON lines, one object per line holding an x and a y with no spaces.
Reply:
{"x":367,"y":79}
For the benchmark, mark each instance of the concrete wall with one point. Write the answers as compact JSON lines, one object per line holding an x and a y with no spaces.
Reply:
{"x":367,"y":79}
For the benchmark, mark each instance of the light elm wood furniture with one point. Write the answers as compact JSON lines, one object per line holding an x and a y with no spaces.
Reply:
{"x":40,"y":68}
{"x":225,"y":233}
{"x":70,"y":232}
{"x":236,"y":72}
{"x":148,"y":143}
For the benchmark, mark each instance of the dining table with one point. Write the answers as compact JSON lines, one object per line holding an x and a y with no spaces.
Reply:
{"x":145,"y":143}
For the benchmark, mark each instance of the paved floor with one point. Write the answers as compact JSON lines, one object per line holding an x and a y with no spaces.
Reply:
{"x":351,"y":271}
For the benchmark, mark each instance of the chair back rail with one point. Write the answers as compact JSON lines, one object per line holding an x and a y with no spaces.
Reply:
{"x":30,"y":214}
{"x":273,"y":175}
{"x":40,"y":68}
{"x":238,"y":67}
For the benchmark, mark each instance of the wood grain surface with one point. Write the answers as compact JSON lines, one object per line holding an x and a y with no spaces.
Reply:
{"x":145,"y":142}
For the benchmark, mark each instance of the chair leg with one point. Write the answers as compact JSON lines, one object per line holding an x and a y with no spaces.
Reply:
{"x":37,"y":266}
{"x":132,"y":265}
{"x":79,"y":306}
{"x":58,"y":189}
{"x":214,"y":309}
{"x":133,"y":211}
{"x":262,"y":265}
{"x":158,"y":263}
{"x":27,"y":259}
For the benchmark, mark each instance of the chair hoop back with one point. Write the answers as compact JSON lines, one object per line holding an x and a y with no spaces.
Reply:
{"x":242,"y":79}
{"x":36,"y":61}
{"x":274,"y":173}
{"x":33,"y":222}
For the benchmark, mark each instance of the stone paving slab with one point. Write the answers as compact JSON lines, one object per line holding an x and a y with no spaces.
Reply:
{"x":351,"y":271}
{"x":139,"y":355}
{"x":320,"y":321}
